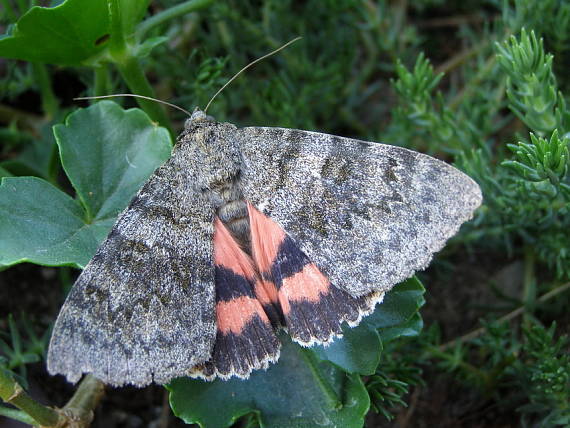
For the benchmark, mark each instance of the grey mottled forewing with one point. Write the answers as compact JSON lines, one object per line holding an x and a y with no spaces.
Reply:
{"x":143,"y":308}
{"x":369,"y":215}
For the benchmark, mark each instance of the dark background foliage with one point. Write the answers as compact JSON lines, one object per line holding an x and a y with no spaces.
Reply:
{"x":481,"y":84}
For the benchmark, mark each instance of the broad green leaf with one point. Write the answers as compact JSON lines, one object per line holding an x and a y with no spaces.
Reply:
{"x":399,"y":304}
{"x":41,"y":224}
{"x":5,"y":172}
{"x":37,"y":158}
{"x":132,"y":12}
{"x":411,"y":327}
{"x":358,"y":351}
{"x":107,"y":153}
{"x":72,"y":33}
{"x":289,"y":394}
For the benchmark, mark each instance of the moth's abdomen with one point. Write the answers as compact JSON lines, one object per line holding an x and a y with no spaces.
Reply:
{"x":234,"y":215}
{"x":232,"y":211}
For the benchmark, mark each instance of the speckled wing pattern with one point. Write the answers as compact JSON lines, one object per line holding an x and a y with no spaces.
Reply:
{"x":142,"y":310}
{"x":368,"y":215}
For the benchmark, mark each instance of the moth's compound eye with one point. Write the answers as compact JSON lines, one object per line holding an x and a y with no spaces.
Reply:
{"x":188,"y":123}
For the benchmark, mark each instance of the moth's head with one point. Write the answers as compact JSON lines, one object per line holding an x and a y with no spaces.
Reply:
{"x":196,"y":117}
{"x":211,"y":150}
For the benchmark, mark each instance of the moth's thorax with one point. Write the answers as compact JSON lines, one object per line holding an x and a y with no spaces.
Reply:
{"x":211,"y":151}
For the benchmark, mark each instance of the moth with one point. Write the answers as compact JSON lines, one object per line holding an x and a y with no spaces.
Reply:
{"x":244,"y":231}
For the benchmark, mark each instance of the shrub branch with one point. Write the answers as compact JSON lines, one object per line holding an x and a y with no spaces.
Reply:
{"x":511,"y":315}
{"x":77,"y":413}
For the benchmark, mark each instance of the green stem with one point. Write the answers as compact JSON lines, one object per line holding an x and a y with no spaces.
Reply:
{"x":130,"y":68}
{"x":64,"y":276}
{"x":521,"y":310}
{"x":529,"y":284}
{"x":85,"y":399}
{"x":17,"y":415}
{"x":117,"y":43}
{"x":400,"y":15}
{"x":22,"y":6}
{"x":13,"y":394}
{"x":137,"y":82}
{"x":462,"y":57}
{"x":9,"y":11}
{"x":170,"y":13}
{"x":438,"y":352}
{"x":101,"y":84}
{"x":473,"y":84}
{"x":329,"y":392}
{"x":50,"y":105}
{"x":27,"y":121}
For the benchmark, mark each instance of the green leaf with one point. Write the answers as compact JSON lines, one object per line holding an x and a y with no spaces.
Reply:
{"x":403,"y":301}
{"x":43,"y":225}
{"x":5,"y":172}
{"x":37,"y":158}
{"x":290,"y":387}
{"x":531,"y":84}
{"x":148,"y":45}
{"x":358,"y":351}
{"x":132,"y":12}
{"x":410,"y":328}
{"x":72,"y":33}
{"x":108,"y":153}
{"x":287,"y":395}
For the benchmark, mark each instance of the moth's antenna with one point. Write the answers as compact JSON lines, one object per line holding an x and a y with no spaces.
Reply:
{"x":247,"y":66}
{"x":135,"y":96}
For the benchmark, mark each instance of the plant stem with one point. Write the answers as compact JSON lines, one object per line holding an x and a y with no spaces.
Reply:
{"x":439,"y":352}
{"x":50,"y":105}
{"x":17,"y":415}
{"x":478,"y":332}
{"x":473,"y":84}
{"x":12,"y":393}
{"x":137,"y":82}
{"x":529,"y":283}
{"x":461,"y":58}
{"x":85,"y":399}
{"x":329,"y":392}
{"x":130,"y":68}
{"x":170,"y":13}
{"x":101,"y":81}
{"x":9,"y":11}
{"x":79,"y":410}
{"x":26,"y":121}
{"x":117,"y":43}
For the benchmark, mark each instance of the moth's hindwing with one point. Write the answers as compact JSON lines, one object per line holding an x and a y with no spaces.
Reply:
{"x":245,"y":340}
{"x":368,"y":215}
{"x":311,"y":308}
{"x":142,"y":310}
